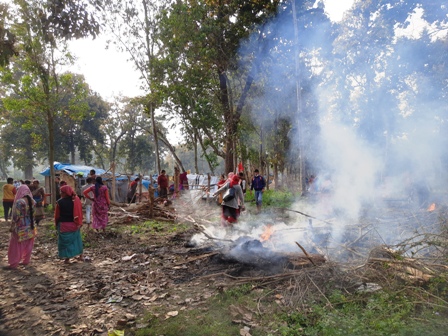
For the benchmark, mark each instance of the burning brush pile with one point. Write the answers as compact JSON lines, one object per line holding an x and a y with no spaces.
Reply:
{"x":260,"y":252}
{"x":413,"y":247}
{"x":161,"y":210}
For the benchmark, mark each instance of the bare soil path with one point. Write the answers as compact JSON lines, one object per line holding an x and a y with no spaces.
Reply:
{"x":125,"y":275}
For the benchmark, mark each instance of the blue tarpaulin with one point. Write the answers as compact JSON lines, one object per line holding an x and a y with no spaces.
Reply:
{"x":73,"y":169}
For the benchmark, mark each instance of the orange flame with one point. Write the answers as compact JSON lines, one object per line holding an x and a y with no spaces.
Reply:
{"x":268,"y":231}
{"x":432,"y":207}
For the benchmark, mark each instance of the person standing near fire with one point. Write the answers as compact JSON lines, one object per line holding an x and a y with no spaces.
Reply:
{"x":232,"y":207}
{"x":162,"y":182}
{"x":258,"y":184}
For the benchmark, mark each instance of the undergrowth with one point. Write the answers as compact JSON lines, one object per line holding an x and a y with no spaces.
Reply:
{"x":154,"y":226}
{"x":273,"y":198}
{"x":376,"y":314}
{"x":405,"y":310}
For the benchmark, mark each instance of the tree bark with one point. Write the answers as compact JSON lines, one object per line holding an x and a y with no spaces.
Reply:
{"x":154,"y":132}
{"x":275,"y":167}
{"x":28,"y":169}
{"x":299,"y":101}
{"x":195,"y":146}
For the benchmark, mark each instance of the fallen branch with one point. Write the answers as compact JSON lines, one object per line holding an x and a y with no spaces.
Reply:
{"x":304,"y":214}
{"x":197,"y":258}
{"x":306,"y":253}
{"x":202,"y":229}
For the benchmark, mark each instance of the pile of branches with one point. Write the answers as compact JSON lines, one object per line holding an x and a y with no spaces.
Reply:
{"x":134,"y":212}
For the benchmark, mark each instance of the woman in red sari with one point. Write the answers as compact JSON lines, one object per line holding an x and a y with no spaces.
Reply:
{"x":68,"y":219}
{"x":100,"y":205}
{"x":231,"y":209}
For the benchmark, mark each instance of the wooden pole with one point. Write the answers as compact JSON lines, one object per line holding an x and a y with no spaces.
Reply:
{"x":267,"y":178}
{"x":140,"y":188}
{"x":208,"y":187}
{"x":151,"y":200}
{"x":113,"y":181}
{"x":176,"y":181}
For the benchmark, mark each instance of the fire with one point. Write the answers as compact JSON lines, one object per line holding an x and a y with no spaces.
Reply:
{"x":432,"y":207}
{"x":268,"y":231}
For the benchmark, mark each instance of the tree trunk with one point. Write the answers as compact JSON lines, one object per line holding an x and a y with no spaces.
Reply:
{"x":154,"y":132}
{"x":229,"y":164}
{"x":298,"y":101}
{"x":172,"y":150}
{"x":195,"y":146}
{"x":277,"y":185}
{"x":51,"y":156}
{"x":114,"y":181}
{"x":28,"y":169}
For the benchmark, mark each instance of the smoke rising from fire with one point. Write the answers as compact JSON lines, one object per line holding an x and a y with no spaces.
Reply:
{"x":370,"y":115}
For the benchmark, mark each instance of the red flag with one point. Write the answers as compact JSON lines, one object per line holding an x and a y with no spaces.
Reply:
{"x":240,"y":167}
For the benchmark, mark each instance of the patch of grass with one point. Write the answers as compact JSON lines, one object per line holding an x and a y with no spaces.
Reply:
{"x":273,"y":198}
{"x":375,"y":314}
{"x":381,"y":313}
{"x":211,"y":318}
{"x":49,"y":231}
{"x":156,"y":227}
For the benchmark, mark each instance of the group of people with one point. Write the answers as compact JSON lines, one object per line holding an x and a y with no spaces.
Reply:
{"x":38,"y":195}
{"x":96,"y":201}
{"x":232,"y":201}
{"x":23,"y":226}
{"x":24,"y":207}
{"x":21,"y":206}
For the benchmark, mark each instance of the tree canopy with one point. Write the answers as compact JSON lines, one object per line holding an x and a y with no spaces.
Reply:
{"x":271,"y":84}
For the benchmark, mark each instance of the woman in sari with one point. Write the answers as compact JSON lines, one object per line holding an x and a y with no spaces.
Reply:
{"x":38,"y":196}
{"x":232,"y":208}
{"x":22,"y":229}
{"x":100,"y":205}
{"x":68,"y":219}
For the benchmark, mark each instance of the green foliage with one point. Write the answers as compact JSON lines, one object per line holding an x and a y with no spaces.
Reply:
{"x":156,"y":227}
{"x":273,"y":198}
{"x":215,"y":320}
{"x":235,"y":293}
{"x":380,"y":313}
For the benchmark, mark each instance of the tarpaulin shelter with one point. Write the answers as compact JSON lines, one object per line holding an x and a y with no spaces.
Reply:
{"x":74,"y":175}
{"x":122,"y":186}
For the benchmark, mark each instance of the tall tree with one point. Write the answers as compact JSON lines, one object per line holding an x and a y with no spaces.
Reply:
{"x":206,"y":36}
{"x":134,"y":26}
{"x":41,"y":27}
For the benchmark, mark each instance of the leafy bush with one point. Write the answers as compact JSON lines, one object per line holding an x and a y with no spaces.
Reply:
{"x":375,"y":314}
{"x":273,"y":198}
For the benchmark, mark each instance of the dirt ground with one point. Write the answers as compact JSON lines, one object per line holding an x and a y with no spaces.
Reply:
{"x":134,"y":268}
{"x":126,"y":273}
